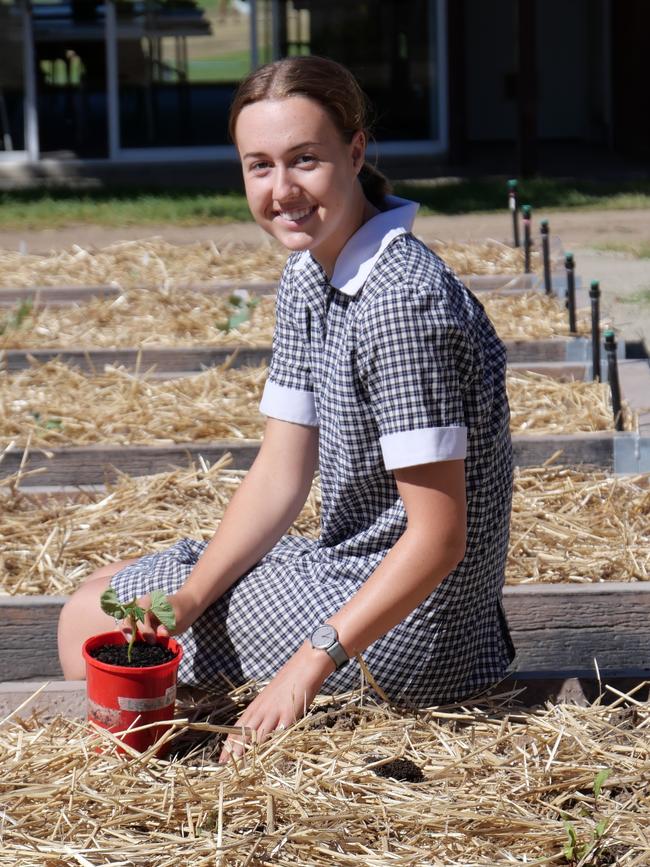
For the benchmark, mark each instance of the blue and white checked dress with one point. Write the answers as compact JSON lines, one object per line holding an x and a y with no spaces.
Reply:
{"x":397,"y":365}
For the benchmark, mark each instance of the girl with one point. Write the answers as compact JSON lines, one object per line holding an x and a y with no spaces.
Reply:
{"x":386,"y":375}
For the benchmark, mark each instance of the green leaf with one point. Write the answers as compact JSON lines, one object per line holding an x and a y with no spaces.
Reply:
{"x":601,"y":776}
{"x":137,"y":613}
{"x":161,"y":607}
{"x":237,"y":319}
{"x":569,"y":848}
{"x":600,"y":829}
{"x":53,"y":424}
{"x":111,"y":605}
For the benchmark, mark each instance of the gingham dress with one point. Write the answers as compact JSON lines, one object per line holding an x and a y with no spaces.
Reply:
{"x":398,"y":365}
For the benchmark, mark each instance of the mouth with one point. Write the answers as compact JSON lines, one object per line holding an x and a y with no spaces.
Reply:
{"x":296,"y":216}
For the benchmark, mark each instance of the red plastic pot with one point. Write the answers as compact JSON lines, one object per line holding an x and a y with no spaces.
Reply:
{"x":119,"y":696}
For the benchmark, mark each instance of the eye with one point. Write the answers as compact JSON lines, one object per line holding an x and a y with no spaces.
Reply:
{"x":259,"y":166}
{"x":306,"y":160}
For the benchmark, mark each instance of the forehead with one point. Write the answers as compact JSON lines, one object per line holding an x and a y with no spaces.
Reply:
{"x":279,"y":124}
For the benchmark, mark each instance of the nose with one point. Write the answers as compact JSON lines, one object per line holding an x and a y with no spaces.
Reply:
{"x":284,"y":186}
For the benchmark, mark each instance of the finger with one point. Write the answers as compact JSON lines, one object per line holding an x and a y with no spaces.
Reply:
{"x":149,"y":627}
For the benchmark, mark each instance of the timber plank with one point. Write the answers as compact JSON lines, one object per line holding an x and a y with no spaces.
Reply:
{"x":557,"y":629}
{"x":100,"y":463}
{"x":164,"y":359}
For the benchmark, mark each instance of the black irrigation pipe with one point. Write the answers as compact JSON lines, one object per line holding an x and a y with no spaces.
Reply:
{"x":612,"y":377}
{"x":594,"y":295}
{"x":512,"y":204}
{"x":546,"y":255}
{"x":570,"y":265}
{"x":526,"y":213}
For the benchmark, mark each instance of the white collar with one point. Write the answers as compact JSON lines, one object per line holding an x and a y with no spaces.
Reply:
{"x":360,"y":253}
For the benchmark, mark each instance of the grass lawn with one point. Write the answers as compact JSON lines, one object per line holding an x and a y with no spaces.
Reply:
{"x":51,"y":208}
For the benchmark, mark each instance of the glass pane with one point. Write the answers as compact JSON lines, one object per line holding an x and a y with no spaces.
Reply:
{"x":179,"y":64}
{"x":70,"y":52}
{"x":392,"y":59}
{"x":12,"y":89}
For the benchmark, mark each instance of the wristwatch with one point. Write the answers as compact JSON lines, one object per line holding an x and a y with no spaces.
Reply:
{"x":326,"y":638}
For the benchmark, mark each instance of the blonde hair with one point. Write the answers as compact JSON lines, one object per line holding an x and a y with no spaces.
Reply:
{"x":327,"y":83}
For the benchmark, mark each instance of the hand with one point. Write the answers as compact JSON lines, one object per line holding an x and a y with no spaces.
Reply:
{"x":184,"y":611}
{"x":284,"y":700}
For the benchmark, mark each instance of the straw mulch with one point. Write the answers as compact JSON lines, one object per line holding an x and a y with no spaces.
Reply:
{"x":50,"y":546}
{"x":543,"y":405}
{"x":490,"y":784}
{"x":144,"y":318}
{"x":485,"y":257}
{"x":580,"y":526}
{"x":57,"y":405}
{"x":168,"y":317}
{"x":150,"y":262}
{"x":533,"y":316}
{"x":567,"y":525}
{"x":156,"y":262}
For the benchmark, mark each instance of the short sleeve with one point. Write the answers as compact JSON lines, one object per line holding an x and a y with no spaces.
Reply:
{"x":288,"y":393}
{"x":415,"y":360}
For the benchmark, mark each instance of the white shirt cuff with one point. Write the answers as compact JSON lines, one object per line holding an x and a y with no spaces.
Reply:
{"x":423,"y":446}
{"x":288,"y":404}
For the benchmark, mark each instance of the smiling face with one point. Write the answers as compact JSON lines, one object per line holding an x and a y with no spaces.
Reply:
{"x":300,"y":176}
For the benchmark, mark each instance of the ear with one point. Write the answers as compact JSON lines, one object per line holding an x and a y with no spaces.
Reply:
{"x":358,"y":149}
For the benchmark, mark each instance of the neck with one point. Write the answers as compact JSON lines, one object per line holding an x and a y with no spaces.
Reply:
{"x":363,"y":212}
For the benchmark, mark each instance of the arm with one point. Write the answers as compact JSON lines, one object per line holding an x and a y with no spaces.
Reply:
{"x":430,"y":548}
{"x":262,"y":509}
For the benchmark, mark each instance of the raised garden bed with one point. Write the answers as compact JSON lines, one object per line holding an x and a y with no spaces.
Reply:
{"x":154,"y":436}
{"x":354,"y":782}
{"x":581,"y":531}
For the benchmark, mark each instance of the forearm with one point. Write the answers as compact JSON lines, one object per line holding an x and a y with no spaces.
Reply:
{"x":264,"y":506}
{"x":430,"y":548}
{"x":407,"y":575}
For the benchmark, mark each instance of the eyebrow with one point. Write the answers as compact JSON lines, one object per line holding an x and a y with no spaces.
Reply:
{"x":304,"y":144}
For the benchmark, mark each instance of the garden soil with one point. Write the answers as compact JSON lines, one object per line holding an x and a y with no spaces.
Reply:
{"x":624,"y":279}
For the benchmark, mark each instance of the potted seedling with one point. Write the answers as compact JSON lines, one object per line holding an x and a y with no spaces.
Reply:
{"x":132,"y":683}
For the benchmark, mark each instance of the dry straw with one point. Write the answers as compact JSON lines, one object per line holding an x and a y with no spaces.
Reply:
{"x":500,"y":785}
{"x":171,"y":317}
{"x":567,"y":525}
{"x":156,"y":262}
{"x":57,"y":405}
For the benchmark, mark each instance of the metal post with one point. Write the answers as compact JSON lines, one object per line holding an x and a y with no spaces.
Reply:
{"x":526,"y":212}
{"x":612,"y":378}
{"x":594,"y":295}
{"x":512,"y":204}
{"x":113,"y":105}
{"x":546,"y":255}
{"x":569,"y":264}
{"x":255,"y":51}
{"x":32,"y":144}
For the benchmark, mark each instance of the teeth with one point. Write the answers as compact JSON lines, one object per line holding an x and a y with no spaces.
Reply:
{"x":295,"y":215}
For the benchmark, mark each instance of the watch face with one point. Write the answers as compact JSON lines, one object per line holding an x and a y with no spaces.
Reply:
{"x":323,"y":636}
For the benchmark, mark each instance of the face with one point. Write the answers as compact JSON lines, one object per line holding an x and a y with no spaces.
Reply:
{"x":300,"y":176}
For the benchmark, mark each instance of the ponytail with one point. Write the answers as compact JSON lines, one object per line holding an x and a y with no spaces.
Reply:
{"x":375,"y":185}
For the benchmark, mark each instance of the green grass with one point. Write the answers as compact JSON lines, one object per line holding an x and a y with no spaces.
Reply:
{"x":35,"y":209}
{"x":642,"y":296}
{"x":477,"y":196}
{"x":639,"y":251}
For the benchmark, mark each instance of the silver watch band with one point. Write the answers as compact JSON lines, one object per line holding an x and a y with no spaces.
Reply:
{"x":326,"y":638}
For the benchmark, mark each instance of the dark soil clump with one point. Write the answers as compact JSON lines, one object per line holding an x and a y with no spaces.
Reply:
{"x":403,"y":770}
{"x":143,"y":655}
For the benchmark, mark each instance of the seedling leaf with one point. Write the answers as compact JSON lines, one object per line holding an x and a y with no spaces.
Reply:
{"x":111,"y":605}
{"x":161,"y":608}
{"x":601,"y":776}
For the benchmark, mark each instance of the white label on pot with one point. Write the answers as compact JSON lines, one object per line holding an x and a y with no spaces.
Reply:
{"x":155,"y":703}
